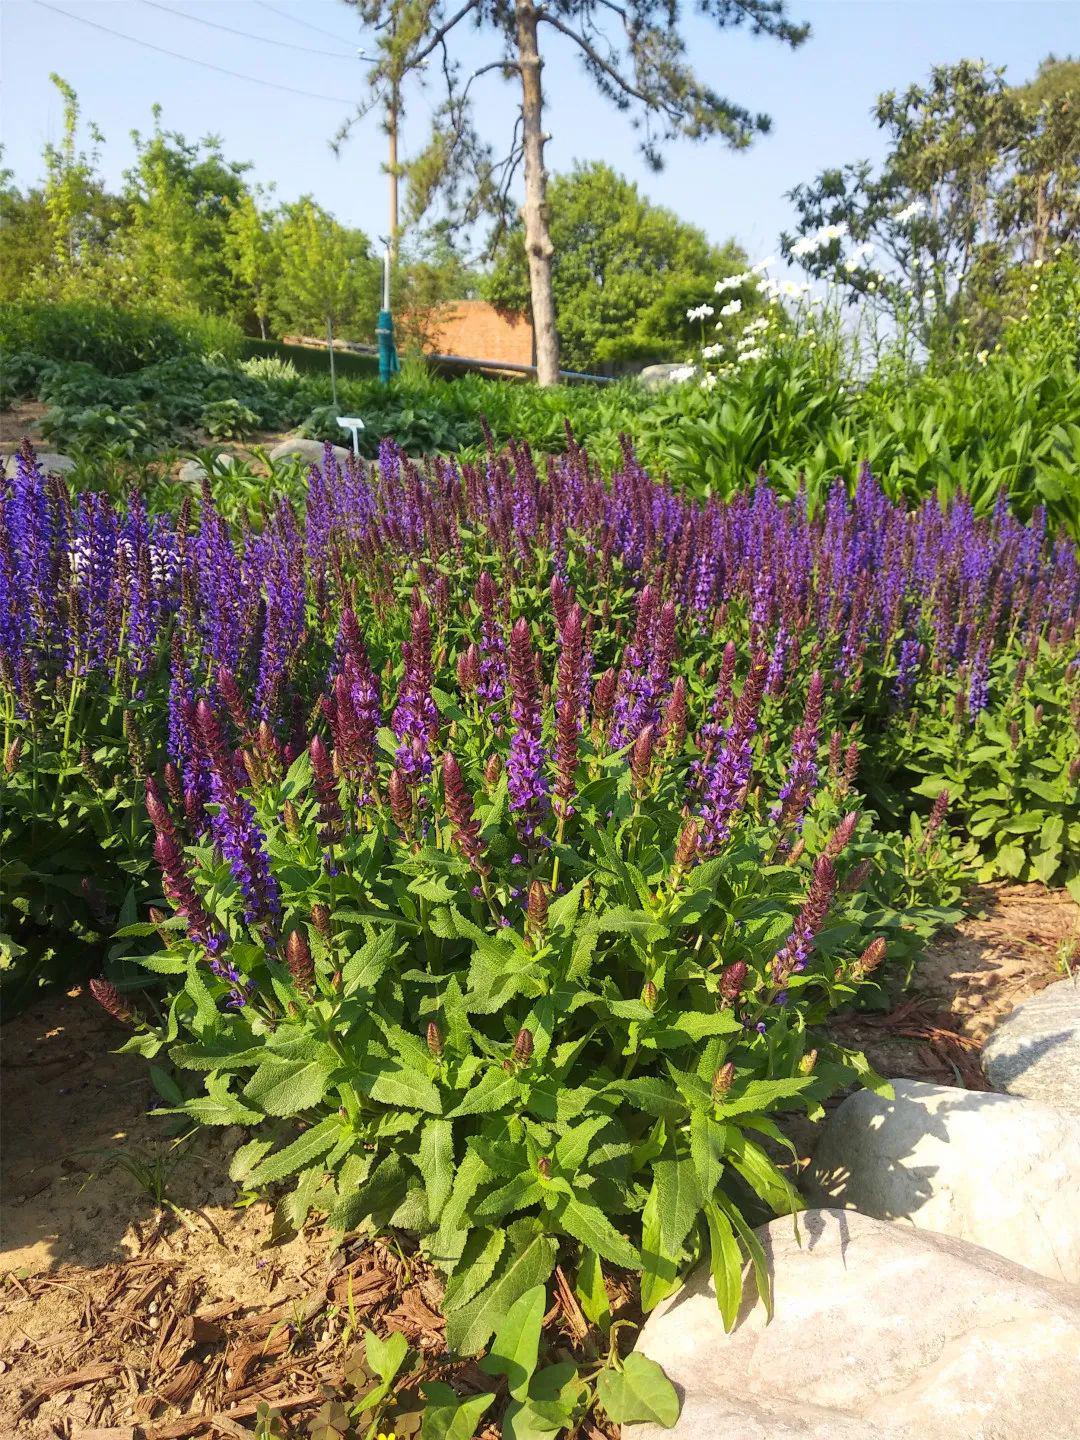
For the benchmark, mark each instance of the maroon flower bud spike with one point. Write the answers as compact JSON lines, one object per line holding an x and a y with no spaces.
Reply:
{"x":732,"y":980}
{"x":111,"y":1001}
{"x":723,"y":1081}
{"x":298,"y":958}
{"x":870,"y":958}
{"x":523,"y":1047}
{"x":435,"y":1042}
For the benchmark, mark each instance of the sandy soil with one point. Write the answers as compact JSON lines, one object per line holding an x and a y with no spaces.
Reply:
{"x":124,"y":1320}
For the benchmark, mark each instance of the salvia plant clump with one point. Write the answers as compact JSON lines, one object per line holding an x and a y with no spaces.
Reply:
{"x":515,"y":825}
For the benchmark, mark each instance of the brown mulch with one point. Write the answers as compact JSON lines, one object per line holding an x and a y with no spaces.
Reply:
{"x":122,"y":1320}
{"x":1011,"y":945}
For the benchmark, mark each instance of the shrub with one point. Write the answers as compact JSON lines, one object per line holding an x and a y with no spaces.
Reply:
{"x":544,"y":985}
{"x":115,"y":341}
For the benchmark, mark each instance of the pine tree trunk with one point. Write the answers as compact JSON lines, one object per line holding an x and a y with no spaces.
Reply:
{"x":538,"y":245}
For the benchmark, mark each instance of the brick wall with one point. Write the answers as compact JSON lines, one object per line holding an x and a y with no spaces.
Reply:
{"x":475,"y":329}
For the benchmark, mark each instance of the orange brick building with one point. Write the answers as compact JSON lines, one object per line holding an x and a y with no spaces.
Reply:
{"x":478,"y":331}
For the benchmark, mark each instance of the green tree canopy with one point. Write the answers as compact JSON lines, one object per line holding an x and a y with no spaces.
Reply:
{"x":624,"y":271}
{"x":978,"y":176}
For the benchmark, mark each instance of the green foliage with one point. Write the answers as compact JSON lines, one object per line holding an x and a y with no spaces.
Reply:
{"x":624,"y":271}
{"x":115,"y":340}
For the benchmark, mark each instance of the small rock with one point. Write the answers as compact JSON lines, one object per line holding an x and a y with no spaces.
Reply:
{"x":935,"y":1156}
{"x":880,"y":1332}
{"x":310,"y":451}
{"x":1035,"y":1051}
{"x":48,"y":460}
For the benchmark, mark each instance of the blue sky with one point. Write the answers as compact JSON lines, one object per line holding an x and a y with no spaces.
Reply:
{"x":819,"y":96}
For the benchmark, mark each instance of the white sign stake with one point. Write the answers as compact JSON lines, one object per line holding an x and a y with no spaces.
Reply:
{"x":355,"y":424}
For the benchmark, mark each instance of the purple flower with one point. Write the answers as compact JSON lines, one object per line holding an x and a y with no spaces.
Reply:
{"x":525,"y":765}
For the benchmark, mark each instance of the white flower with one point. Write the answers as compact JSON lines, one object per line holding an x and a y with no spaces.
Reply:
{"x":684,"y":372}
{"x":748,"y":355}
{"x":731,"y":308}
{"x":710,"y":352}
{"x":794,"y":289}
{"x":708,"y":382}
{"x":754,"y":326}
{"x":833,"y":232}
{"x":762,"y":265}
{"x":909,"y":212}
{"x":700,"y":312}
{"x":806,"y":246}
{"x":732,"y":282}
{"x":858,"y":255}
{"x":983,"y":356}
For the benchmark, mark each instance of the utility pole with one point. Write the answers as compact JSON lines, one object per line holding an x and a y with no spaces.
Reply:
{"x":393,"y":109}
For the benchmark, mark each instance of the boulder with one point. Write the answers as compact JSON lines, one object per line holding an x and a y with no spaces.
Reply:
{"x":193,"y":473}
{"x":295,"y":447}
{"x":880,"y":1332}
{"x":48,"y":460}
{"x":935,"y":1157}
{"x":1035,"y":1051}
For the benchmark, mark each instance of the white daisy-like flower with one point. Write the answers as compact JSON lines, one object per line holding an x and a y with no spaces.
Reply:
{"x":710,"y":352}
{"x":909,"y":212}
{"x":983,"y":356}
{"x":700,"y":312}
{"x":709,"y":382}
{"x":747,"y":355}
{"x":732,"y":282}
{"x":762,"y":265}
{"x":684,"y":372}
{"x":731,"y":308}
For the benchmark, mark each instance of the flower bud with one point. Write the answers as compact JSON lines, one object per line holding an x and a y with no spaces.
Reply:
{"x":298,"y":958}
{"x":797,"y":851}
{"x":543,"y":1168}
{"x":870,"y":958}
{"x":12,"y":755}
{"x":492,"y":771}
{"x":157,"y":918}
{"x":523,"y":1047}
{"x":641,"y":757}
{"x":649,"y":995}
{"x":686,"y":847}
{"x":435,"y":1041}
{"x":732,"y":980}
{"x":291,"y":817}
{"x":537,"y":910}
{"x":320,"y":918}
{"x":400,"y":802}
{"x":723,"y":1081}
{"x":807,"y":1063}
{"x":857,"y":878}
{"x":109,"y":998}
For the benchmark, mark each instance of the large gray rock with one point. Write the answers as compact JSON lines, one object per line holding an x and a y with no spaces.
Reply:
{"x":936,"y":1157}
{"x":1035,"y":1051}
{"x":880,"y":1333}
{"x":48,"y":460}
{"x":310,"y":451}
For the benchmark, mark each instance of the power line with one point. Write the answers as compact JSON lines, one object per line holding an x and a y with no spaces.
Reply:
{"x":190,"y":59}
{"x":284,"y":14}
{"x":262,"y":39}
